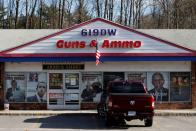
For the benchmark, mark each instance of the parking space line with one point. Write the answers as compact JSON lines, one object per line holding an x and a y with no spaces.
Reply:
{"x":36,"y":124}
{"x":156,"y":124}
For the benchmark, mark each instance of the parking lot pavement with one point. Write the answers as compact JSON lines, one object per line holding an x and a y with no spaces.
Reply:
{"x":78,"y":122}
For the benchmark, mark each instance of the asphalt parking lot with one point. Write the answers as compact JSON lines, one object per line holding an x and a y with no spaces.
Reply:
{"x":91,"y":122}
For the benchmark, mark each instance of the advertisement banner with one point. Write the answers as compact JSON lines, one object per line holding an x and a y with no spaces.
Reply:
{"x":158,"y":85}
{"x":91,"y":87}
{"x":36,"y":87}
{"x":180,"y":86}
{"x":112,"y":76}
{"x":136,"y":77}
{"x":15,"y":87}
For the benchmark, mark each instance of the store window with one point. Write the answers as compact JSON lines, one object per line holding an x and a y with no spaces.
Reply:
{"x":26,"y":87}
{"x":72,"y":81}
{"x":72,"y":86}
{"x":158,"y":85}
{"x":55,"y":81}
{"x":91,"y":86}
{"x":15,"y":87}
{"x":112,"y":76}
{"x":180,"y":86}
{"x":36,"y":87}
{"x":136,"y":77}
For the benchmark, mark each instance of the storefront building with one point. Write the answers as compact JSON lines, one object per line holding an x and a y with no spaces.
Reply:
{"x":59,"y":71}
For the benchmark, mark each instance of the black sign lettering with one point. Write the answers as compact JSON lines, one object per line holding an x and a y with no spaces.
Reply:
{"x":63,"y":67}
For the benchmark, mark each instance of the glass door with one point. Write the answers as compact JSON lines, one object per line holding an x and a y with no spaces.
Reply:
{"x":63,"y":91}
{"x":71,"y":91}
{"x":55,"y":92}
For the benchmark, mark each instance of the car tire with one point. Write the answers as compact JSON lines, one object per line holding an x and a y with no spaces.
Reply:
{"x":148,"y":122}
{"x":109,"y":120}
{"x":101,"y":112}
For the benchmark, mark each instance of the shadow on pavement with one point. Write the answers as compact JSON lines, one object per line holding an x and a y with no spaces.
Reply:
{"x":74,"y":122}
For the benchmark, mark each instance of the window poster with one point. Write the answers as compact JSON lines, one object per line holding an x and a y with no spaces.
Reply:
{"x":56,"y":81}
{"x":136,"y":77}
{"x":91,"y":86}
{"x":15,"y":87}
{"x":56,"y":99}
{"x":180,"y":86}
{"x":72,"y":81}
{"x":112,"y":76}
{"x":158,"y":85}
{"x":36,"y":87}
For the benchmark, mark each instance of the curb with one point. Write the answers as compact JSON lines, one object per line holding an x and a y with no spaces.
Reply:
{"x":175,"y":114}
{"x":10,"y":113}
{"x":46,"y":114}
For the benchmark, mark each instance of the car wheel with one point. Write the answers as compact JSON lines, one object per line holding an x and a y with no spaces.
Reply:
{"x":100,"y":111}
{"x":109,"y":120}
{"x":121,"y":121}
{"x":148,"y":122}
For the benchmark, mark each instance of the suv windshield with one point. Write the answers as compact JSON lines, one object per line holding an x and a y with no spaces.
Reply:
{"x":121,"y":87}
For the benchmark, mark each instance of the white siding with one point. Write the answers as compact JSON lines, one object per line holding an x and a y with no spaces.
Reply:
{"x":109,"y":66}
{"x":23,"y":67}
{"x":148,"y":45}
{"x":139,"y":66}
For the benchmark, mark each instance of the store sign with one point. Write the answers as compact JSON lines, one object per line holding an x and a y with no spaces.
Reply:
{"x":63,"y":44}
{"x":98,"y":32}
{"x":63,"y":67}
{"x":106,"y":44}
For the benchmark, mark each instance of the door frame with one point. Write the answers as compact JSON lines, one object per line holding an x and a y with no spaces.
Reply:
{"x":50,"y":107}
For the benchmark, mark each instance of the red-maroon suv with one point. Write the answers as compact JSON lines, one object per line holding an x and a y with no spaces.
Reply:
{"x":126,"y":101}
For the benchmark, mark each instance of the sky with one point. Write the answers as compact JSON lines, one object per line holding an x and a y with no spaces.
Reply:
{"x":89,"y":6}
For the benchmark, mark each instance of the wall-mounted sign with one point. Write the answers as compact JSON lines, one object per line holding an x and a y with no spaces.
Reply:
{"x":106,"y":44}
{"x":63,"y":44}
{"x":98,"y":32}
{"x":63,"y":67}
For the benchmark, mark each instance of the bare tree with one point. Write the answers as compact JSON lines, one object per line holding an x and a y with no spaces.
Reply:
{"x":27,"y":14}
{"x":111,"y":11}
{"x":97,"y":8}
{"x":2,"y":14}
{"x":34,"y":4}
{"x":121,"y":10}
{"x":130,"y":11}
{"x":54,"y":13}
{"x":40,"y":14}
{"x":59,"y":18}
{"x":62,"y":14}
{"x":69,"y":7}
{"x":105,"y":9}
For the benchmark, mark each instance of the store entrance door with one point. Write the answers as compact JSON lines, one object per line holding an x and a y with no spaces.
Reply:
{"x":63,"y":91}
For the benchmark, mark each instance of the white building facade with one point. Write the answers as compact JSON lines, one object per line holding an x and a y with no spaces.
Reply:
{"x":59,"y":71}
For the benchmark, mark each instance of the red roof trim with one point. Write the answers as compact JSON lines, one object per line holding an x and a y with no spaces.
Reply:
{"x":93,"y":54}
{"x":90,"y":21}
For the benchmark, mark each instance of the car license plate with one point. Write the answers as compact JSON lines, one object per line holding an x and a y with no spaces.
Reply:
{"x":131,"y":113}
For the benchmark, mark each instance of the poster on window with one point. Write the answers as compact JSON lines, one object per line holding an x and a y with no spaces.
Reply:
{"x":36,"y":87}
{"x":158,"y":85}
{"x":72,"y":81}
{"x":91,"y":87}
{"x":15,"y":87}
{"x":180,"y":86}
{"x":112,"y":76}
{"x":136,"y":77}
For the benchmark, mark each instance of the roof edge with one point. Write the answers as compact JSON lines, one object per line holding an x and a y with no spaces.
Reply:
{"x":94,"y":20}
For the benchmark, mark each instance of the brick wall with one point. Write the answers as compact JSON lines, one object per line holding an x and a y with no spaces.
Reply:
{"x":193,"y":68}
{"x":28,"y":106}
{"x":180,"y":105}
{"x":88,"y":106}
{"x":2,"y":66}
